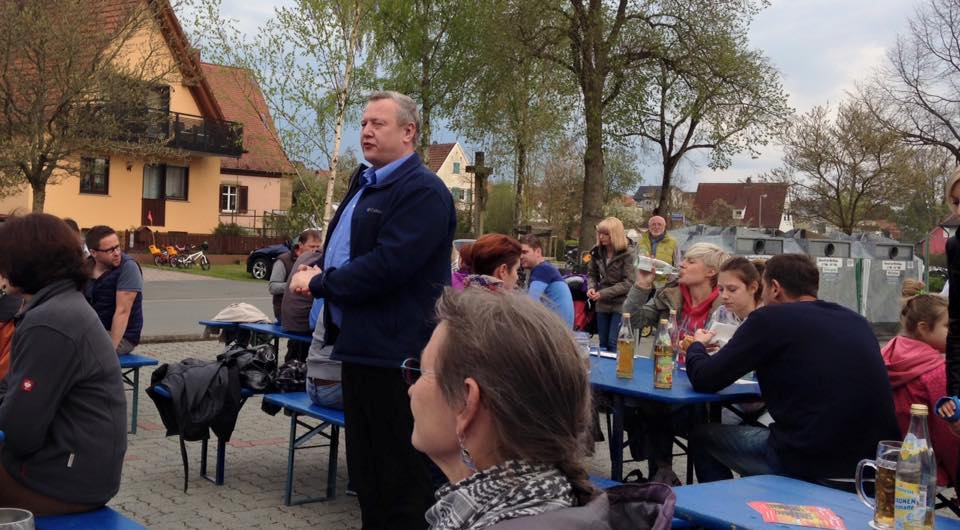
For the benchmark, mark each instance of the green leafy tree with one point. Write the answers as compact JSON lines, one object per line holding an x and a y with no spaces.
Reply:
{"x":424,"y":49}
{"x":922,"y":205}
{"x":310,"y":59}
{"x":74,"y":82}
{"x":842,"y":170}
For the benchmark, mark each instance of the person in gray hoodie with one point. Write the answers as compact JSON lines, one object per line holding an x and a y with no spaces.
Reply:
{"x":62,"y":404}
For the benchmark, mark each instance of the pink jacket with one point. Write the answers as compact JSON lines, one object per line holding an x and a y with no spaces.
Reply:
{"x":917,"y":375}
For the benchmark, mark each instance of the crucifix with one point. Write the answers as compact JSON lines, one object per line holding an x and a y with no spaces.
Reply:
{"x":480,"y":175}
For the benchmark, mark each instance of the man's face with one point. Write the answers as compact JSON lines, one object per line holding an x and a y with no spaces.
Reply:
{"x":530,"y":257}
{"x":657,"y":226}
{"x":382,"y":137}
{"x":312,"y":244}
{"x":108,"y":252}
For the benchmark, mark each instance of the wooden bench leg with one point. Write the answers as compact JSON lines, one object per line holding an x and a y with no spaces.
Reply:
{"x":134,"y":385}
{"x":297,"y":443}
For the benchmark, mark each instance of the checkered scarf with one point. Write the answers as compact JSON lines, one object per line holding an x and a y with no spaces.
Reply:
{"x":507,"y":491}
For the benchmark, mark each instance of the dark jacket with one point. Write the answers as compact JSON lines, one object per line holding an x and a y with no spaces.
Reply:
{"x":103,"y":298}
{"x":953,"y":334}
{"x":286,"y":259}
{"x":625,"y":507}
{"x":400,"y":240}
{"x":822,"y":377}
{"x":63,"y":408}
{"x":295,"y":308}
{"x":613,"y":279}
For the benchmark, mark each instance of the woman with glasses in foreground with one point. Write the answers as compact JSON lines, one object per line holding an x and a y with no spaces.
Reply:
{"x":501,"y":403}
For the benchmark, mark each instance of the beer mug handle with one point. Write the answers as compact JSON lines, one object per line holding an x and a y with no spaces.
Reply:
{"x":871,"y":503}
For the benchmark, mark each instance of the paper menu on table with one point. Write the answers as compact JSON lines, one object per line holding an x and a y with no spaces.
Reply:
{"x":792,"y":514}
{"x":722,"y":332}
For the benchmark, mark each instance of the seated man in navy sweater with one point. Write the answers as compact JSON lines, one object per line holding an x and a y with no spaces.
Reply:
{"x":820,"y":373}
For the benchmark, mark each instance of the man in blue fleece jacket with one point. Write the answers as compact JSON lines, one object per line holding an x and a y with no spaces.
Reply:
{"x":386,"y":261}
{"x":820,"y":373}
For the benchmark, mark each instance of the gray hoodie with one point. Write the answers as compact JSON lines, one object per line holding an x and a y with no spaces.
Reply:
{"x":62,"y":405}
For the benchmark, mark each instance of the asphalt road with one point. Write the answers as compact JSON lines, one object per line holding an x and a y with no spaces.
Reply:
{"x":173,"y":302}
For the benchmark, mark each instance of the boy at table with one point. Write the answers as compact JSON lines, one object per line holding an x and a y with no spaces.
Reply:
{"x":820,"y":373}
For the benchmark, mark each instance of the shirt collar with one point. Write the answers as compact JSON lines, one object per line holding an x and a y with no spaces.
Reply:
{"x":383,"y":173}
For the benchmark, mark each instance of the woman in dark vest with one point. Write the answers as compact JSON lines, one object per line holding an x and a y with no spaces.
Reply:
{"x":62,"y":404}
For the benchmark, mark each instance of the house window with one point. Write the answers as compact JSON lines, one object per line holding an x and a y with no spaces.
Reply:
{"x":166,"y":182}
{"x":456,"y":168}
{"x":176,"y":183}
{"x":468,"y":195}
{"x":458,"y":194}
{"x":95,"y":175}
{"x":233,"y":198}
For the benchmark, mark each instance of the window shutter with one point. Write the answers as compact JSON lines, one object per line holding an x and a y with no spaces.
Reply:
{"x":223,"y":198}
{"x":242,"y":199}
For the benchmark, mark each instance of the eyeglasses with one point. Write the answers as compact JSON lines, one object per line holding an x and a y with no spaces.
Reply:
{"x":411,"y":371}
{"x":110,"y":250}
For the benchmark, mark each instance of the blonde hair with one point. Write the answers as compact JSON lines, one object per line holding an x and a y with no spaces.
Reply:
{"x":711,"y":255}
{"x":613,"y":226}
{"x":919,"y":306}
{"x":530,"y":373}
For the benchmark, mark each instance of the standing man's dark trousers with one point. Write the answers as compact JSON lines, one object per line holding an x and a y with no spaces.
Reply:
{"x":391,"y":478}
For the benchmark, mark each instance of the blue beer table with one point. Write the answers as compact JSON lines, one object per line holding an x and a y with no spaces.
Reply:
{"x":276,"y":332}
{"x":723,"y":504}
{"x":603,"y":376}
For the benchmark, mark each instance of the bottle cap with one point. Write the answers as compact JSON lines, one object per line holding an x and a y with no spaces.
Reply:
{"x":918,"y":409}
{"x":626,"y":315}
{"x":663,"y":321}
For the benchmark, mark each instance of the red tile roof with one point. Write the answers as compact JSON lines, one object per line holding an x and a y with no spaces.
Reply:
{"x":437,"y":154}
{"x":242,"y":101}
{"x":744,"y":195}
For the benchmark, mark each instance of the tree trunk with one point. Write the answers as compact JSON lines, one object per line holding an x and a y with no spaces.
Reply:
{"x":343,"y":100}
{"x":39,"y":187}
{"x":669,"y":165}
{"x":521,"y":169}
{"x":426,"y":109}
{"x":593,"y":183}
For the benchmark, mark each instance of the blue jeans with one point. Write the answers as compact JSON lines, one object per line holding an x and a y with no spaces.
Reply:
{"x":717,"y":449}
{"x":608,"y":326}
{"x":330,"y":396}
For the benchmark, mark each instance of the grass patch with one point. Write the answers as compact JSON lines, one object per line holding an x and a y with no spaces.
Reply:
{"x":237,"y":271}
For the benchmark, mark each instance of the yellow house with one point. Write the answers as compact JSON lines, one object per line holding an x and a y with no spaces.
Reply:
{"x":176,"y":194}
{"x":450,"y":163}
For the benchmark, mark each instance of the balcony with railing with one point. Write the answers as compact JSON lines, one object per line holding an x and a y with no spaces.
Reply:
{"x":180,"y":131}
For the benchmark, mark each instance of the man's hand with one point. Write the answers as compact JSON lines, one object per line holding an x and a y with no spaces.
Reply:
{"x":645,"y":278}
{"x":703,"y":336}
{"x":593,"y":294}
{"x":300,"y":281}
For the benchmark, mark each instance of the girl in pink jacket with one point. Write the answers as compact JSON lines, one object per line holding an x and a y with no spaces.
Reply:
{"x":915,"y":364}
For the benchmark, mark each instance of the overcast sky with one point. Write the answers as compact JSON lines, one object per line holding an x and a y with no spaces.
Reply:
{"x":821,"y":47}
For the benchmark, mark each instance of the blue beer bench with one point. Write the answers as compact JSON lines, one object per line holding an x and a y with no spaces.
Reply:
{"x":131,"y":364}
{"x":276,"y":333}
{"x":105,"y":518}
{"x":298,"y":404}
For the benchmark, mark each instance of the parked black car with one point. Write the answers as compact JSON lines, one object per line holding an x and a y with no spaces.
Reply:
{"x":260,"y":261}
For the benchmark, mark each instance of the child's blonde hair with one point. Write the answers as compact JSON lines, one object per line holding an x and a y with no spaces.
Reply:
{"x":920,"y":306}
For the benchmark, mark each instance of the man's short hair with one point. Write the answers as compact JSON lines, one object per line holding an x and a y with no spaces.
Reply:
{"x":407,"y":111}
{"x":95,"y":234}
{"x":308,"y":234}
{"x":72,"y":224}
{"x":531,"y":241}
{"x":797,"y":274}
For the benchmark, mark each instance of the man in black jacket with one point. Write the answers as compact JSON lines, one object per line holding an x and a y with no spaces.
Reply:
{"x":386,"y":261}
{"x":820,"y":373}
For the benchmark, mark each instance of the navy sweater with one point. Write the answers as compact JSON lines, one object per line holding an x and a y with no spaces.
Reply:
{"x":822,"y":377}
{"x":401,"y":237}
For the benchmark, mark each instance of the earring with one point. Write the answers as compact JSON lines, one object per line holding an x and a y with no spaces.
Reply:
{"x":465,"y":455}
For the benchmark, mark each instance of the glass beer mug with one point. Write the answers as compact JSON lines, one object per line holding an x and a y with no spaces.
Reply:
{"x":885,"y":464}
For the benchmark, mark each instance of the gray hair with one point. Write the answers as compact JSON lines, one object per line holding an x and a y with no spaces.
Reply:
{"x":530,"y":373}
{"x":407,"y":111}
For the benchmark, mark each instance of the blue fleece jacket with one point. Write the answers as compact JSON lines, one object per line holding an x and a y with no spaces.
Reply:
{"x":401,"y":236}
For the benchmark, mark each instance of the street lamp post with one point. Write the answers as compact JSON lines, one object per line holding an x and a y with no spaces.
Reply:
{"x":760,"y":214}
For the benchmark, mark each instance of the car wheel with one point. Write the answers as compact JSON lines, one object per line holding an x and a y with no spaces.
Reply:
{"x":259,"y":268}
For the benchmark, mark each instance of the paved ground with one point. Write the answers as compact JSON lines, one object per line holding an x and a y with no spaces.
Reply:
{"x":252,"y":496}
{"x":173,"y":302}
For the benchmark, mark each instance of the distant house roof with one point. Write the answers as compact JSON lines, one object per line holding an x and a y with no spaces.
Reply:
{"x":437,"y":154}
{"x":745,"y":195}
{"x":242,"y":101}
